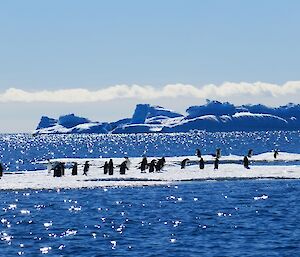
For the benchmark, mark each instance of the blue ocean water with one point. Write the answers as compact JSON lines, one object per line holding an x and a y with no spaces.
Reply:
{"x":21,"y":151}
{"x":213,"y":218}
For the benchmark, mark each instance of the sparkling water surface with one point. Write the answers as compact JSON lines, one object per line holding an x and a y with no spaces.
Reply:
{"x":21,"y":151}
{"x":227,"y":218}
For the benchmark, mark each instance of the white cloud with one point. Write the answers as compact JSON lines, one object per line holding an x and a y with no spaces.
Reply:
{"x":79,"y":95}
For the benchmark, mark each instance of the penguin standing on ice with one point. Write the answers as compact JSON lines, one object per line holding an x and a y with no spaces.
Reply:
{"x":74,"y":169}
{"x":105,"y":168}
{"x":49,"y":166}
{"x":216,"y":163}
{"x":128,"y":162}
{"x":144,"y":165}
{"x":160,"y":164}
{"x":276,"y":152}
{"x":123,"y":168}
{"x":198,"y":153}
{"x":62,"y":168}
{"x":201,"y":164}
{"x":57,"y":170}
{"x":110,"y":167}
{"x":152,"y":166}
{"x":1,"y":170}
{"x":86,"y":168}
{"x":246,"y":162}
{"x":184,"y":162}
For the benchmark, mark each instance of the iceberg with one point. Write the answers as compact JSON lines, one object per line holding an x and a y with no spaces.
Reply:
{"x":46,"y":122}
{"x":213,"y":116}
{"x":70,"y":120}
{"x":146,"y":111}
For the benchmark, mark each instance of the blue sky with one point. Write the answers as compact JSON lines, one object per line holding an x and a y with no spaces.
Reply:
{"x":53,"y":45}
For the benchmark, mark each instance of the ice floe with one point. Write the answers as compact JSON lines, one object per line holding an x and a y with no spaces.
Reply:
{"x":261,"y":166}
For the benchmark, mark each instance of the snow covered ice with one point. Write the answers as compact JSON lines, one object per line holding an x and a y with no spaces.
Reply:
{"x":214,"y":116}
{"x":263,"y":166}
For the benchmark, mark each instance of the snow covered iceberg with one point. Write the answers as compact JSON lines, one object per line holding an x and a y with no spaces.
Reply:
{"x":213,"y":116}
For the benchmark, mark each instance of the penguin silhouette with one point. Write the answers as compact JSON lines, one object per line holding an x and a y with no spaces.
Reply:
{"x":198,"y":153}
{"x":216,"y":164}
{"x":246,"y":162}
{"x":123,"y":168}
{"x":128,"y":162}
{"x":74,"y":169}
{"x":276,"y":152}
{"x":152,"y":165}
{"x":110,"y":167}
{"x":201,"y":164}
{"x":144,"y":165}
{"x":105,"y":167}
{"x":160,"y":164}
{"x":62,"y":168}
{"x":86,"y":168}
{"x":184,"y":162}
{"x":1,"y":170}
{"x":57,"y":170}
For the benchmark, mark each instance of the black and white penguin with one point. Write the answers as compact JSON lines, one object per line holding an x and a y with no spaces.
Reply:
{"x":57,"y":170}
{"x":184,"y":162}
{"x":86,"y":168}
{"x":1,"y":170}
{"x":105,"y":168}
{"x":152,"y":165}
{"x":216,"y":164}
{"x":62,"y":167}
{"x":160,"y":164}
{"x":128,"y":162}
{"x":144,"y":165}
{"x":123,"y":168}
{"x":110,"y":167}
{"x":276,"y":152}
{"x":74,"y":169}
{"x":201,"y":164}
{"x":246,"y":162}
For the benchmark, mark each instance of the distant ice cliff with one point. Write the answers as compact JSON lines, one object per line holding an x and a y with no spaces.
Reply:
{"x":213,"y":116}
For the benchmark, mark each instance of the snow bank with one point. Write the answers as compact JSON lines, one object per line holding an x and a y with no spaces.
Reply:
{"x":230,"y":168}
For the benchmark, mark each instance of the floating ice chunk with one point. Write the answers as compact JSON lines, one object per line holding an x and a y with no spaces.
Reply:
{"x":48,"y":224}
{"x":25,"y":212}
{"x":69,"y":232}
{"x":75,"y":208}
{"x":45,"y":250}
{"x":113,"y":244}
{"x":12,"y":206}
{"x":61,"y":247}
{"x":3,"y":221}
{"x":6,"y":237}
{"x":263,"y":197}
